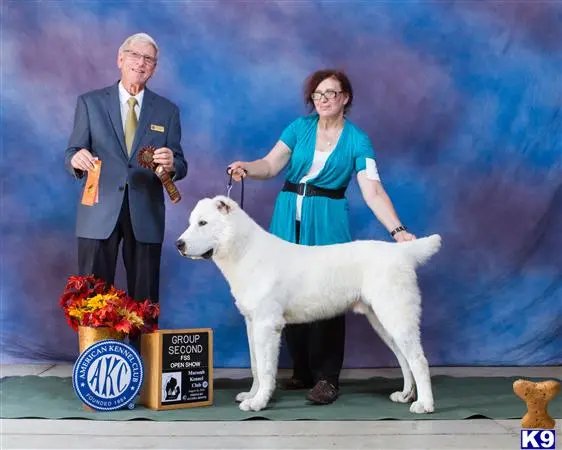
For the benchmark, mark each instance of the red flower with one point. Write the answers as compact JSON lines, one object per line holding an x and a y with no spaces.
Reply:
{"x":79,"y":282}
{"x":114,"y":309}
{"x":124,"y":326}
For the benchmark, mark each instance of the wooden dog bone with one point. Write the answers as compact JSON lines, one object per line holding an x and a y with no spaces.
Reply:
{"x":536,"y":396}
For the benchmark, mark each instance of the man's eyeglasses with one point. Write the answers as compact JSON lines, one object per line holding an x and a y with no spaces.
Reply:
{"x":137,"y":57}
{"x":328,"y":95}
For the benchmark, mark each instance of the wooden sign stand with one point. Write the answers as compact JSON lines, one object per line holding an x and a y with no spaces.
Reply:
{"x":178,"y":367}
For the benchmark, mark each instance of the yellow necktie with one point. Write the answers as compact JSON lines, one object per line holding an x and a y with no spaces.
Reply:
{"x":130,"y":124}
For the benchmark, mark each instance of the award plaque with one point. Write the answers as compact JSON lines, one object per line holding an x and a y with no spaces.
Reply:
{"x":179,"y":368}
{"x":145,"y":158}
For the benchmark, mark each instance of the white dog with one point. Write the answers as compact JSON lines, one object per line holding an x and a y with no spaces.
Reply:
{"x":275,"y":282}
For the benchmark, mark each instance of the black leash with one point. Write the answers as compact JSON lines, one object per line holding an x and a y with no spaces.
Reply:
{"x":229,"y":187}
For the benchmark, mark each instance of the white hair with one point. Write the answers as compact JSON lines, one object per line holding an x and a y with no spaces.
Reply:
{"x":139,"y":37}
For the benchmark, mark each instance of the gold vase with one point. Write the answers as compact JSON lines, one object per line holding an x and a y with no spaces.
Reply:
{"x":88,"y":336}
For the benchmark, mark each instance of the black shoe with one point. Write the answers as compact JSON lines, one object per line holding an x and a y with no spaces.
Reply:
{"x":323,"y":393}
{"x":294,"y":384}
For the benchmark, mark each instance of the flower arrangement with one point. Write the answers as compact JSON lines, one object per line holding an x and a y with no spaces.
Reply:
{"x":89,"y":301}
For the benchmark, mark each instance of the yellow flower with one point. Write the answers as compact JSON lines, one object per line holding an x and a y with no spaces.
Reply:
{"x":96,"y":302}
{"x":73,"y":312}
{"x":131,"y":317}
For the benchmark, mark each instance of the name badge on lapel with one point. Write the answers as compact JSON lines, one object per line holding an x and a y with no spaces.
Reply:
{"x":158,"y":128}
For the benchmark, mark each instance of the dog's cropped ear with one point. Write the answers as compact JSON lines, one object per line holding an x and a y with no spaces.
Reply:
{"x":224,"y":205}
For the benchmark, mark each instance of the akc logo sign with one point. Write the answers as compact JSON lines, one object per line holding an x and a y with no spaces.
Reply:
{"x":108,"y":375}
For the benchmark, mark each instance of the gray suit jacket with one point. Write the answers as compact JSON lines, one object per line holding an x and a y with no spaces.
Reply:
{"x":98,"y":128}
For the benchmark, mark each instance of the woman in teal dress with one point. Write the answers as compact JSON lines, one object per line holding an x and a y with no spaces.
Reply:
{"x":321,"y":151}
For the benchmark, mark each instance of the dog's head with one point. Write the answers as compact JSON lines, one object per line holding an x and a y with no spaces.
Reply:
{"x":208,"y":229}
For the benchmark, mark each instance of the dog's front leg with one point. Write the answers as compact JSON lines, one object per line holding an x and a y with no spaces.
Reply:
{"x":255,"y":381}
{"x":266,"y":333}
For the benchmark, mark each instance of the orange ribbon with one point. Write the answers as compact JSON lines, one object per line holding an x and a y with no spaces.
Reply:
{"x":91,"y":190}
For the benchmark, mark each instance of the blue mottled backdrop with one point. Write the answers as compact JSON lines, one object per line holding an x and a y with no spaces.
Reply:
{"x":461,"y":100}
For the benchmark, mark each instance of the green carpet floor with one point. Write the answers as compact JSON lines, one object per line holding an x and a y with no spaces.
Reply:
{"x":455,"y":398}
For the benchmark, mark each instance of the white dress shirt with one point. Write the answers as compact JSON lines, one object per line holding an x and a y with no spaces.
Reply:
{"x":318,"y":164}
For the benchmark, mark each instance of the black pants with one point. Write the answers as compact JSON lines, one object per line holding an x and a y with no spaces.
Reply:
{"x":141,"y":260}
{"x":317,"y":348}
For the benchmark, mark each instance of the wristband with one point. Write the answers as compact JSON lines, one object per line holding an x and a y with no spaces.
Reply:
{"x":398,"y":230}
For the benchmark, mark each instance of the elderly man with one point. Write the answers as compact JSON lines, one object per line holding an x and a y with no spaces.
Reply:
{"x":111,"y":125}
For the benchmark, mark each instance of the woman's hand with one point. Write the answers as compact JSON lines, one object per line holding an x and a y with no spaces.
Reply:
{"x":404,"y":236}
{"x":238,"y":169}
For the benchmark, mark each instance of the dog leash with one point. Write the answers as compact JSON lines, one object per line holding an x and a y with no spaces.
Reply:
{"x":229,"y":187}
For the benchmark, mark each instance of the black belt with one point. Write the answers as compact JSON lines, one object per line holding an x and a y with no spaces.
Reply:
{"x":311,"y":190}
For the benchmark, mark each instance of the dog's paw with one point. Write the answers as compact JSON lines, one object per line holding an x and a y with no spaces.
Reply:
{"x":244,"y":396}
{"x":252,"y":404}
{"x":402,"y":397}
{"x":245,"y":405}
{"x":419,"y":407}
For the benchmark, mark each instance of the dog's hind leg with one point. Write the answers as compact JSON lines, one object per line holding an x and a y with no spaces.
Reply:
{"x":412,"y":349}
{"x":408,"y":393}
{"x":266,"y":333}
{"x":399,"y":316}
{"x":255,"y":381}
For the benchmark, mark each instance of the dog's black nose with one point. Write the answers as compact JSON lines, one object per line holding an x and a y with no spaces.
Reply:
{"x":180,"y":245}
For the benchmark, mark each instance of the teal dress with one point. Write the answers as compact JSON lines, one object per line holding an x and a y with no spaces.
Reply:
{"x":323,"y":220}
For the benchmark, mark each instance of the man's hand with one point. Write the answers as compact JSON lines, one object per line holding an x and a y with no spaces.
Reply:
{"x":164,"y":157}
{"x":83,"y":160}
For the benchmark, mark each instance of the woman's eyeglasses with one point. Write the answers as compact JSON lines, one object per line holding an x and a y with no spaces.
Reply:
{"x":328,"y":95}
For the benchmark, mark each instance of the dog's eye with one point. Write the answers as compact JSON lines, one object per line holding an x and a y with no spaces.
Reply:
{"x":202,"y":223}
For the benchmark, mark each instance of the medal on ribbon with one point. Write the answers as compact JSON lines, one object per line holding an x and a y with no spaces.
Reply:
{"x":145,"y":158}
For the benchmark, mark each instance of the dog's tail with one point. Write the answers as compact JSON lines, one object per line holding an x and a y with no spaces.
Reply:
{"x":423,"y":248}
